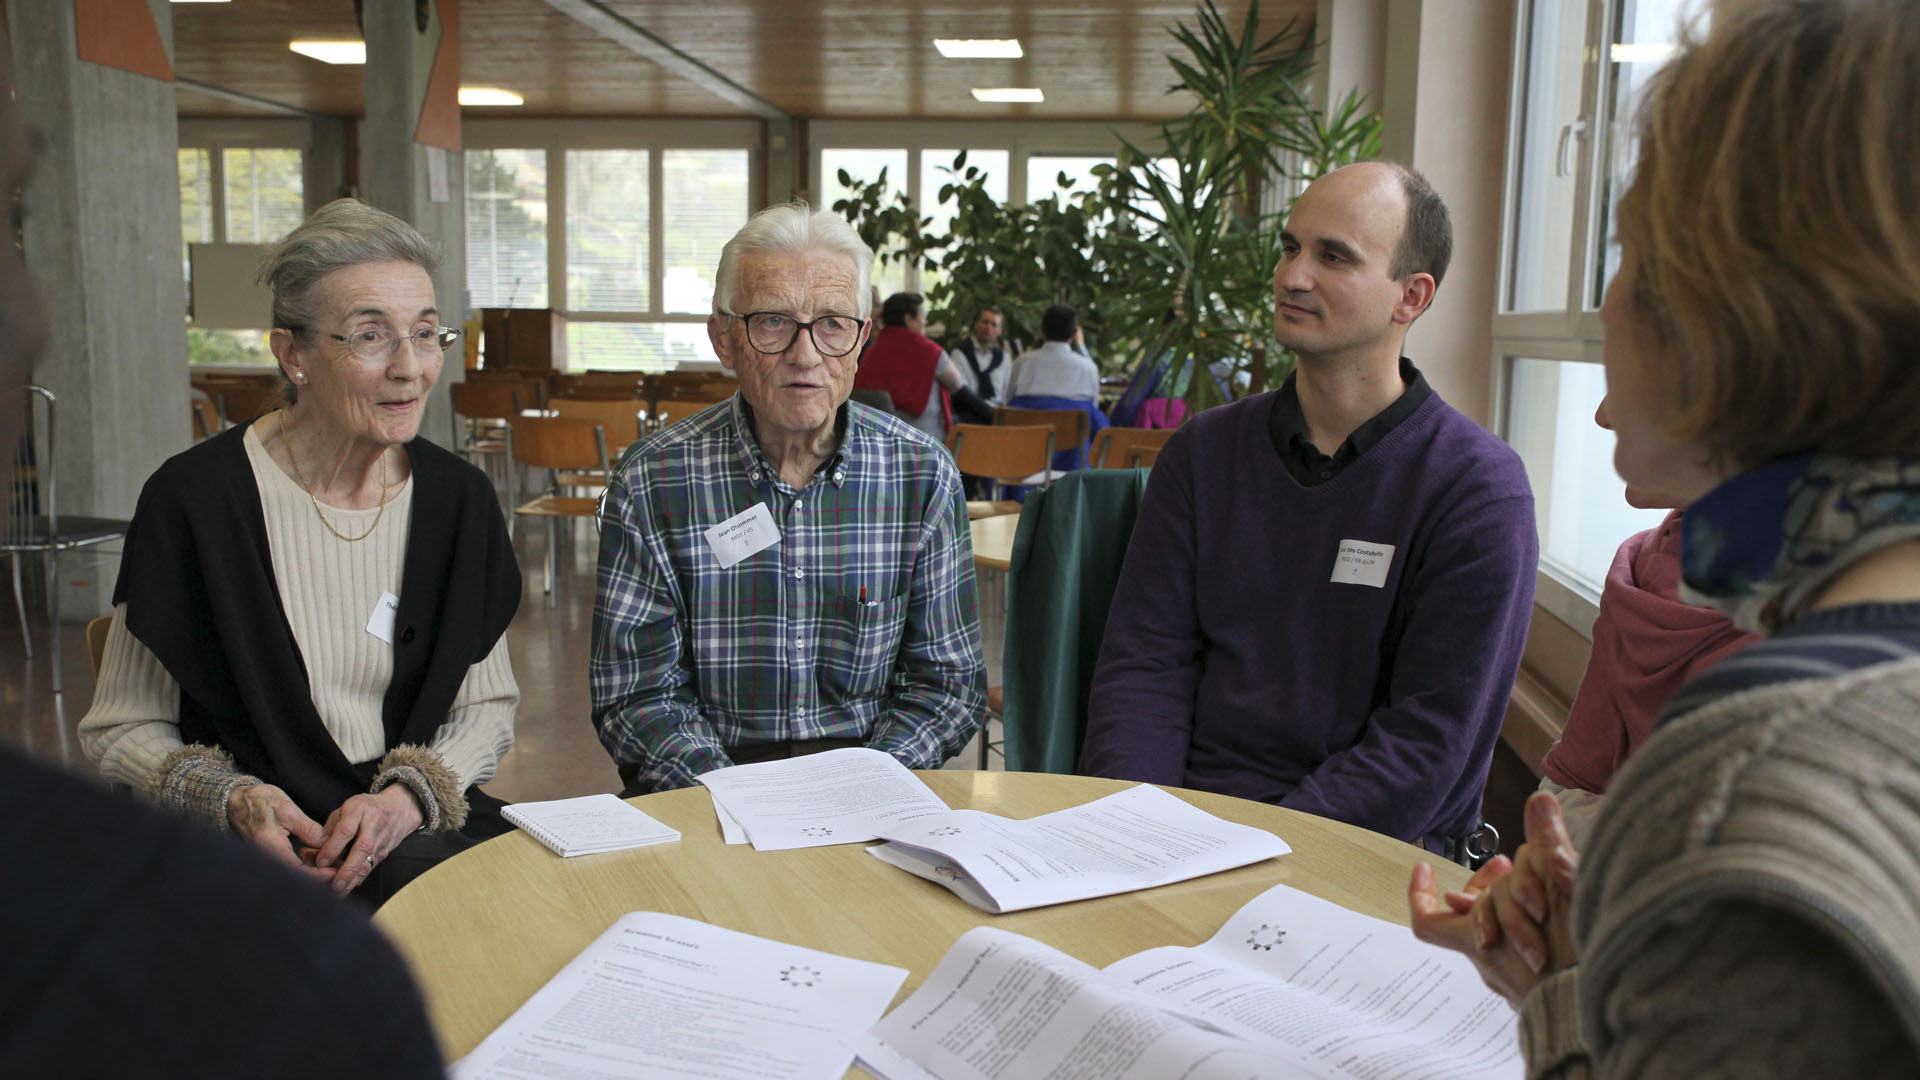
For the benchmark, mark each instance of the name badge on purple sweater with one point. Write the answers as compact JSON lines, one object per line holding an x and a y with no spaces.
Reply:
{"x":1362,"y":562}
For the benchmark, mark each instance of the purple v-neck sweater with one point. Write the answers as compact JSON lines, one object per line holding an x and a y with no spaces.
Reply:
{"x":1232,"y":662}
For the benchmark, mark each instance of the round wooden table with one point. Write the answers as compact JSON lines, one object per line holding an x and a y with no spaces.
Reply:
{"x":993,"y":540}
{"x":485,"y":929}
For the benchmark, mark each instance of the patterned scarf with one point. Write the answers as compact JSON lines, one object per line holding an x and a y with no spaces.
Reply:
{"x":1762,"y":546}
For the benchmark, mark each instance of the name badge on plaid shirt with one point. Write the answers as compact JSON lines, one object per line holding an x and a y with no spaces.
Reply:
{"x":743,"y":534}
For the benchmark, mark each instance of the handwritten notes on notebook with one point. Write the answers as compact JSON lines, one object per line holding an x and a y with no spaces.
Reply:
{"x":588,"y":825}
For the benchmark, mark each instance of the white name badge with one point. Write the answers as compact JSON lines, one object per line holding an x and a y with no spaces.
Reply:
{"x":384,"y":612}
{"x":1362,"y":562}
{"x":743,"y":534}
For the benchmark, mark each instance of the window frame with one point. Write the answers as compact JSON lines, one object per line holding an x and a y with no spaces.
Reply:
{"x":557,"y":137}
{"x":1573,"y":334}
{"x":216,"y":137}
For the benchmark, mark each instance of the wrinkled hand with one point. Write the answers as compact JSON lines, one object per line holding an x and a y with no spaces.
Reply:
{"x":267,"y":818}
{"x":363,"y":831}
{"x":1492,"y":922}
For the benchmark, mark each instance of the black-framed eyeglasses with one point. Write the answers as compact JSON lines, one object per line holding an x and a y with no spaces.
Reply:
{"x":774,"y":332}
{"x":379,"y":343}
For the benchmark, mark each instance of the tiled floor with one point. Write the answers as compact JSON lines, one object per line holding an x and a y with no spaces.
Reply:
{"x":555,"y":753}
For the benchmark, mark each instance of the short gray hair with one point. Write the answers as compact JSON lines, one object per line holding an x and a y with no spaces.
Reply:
{"x":343,"y":233}
{"x":793,"y":226}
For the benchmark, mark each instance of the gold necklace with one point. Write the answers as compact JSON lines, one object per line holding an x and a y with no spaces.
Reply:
{"x":382,"y":512}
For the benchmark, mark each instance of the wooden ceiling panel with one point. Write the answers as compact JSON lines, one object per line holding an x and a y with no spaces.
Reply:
{"x":1094,"y":59}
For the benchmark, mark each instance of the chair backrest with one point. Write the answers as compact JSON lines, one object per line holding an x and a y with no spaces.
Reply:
{"x":1067,"y":556}
{"x":1114,"y":447}
{"x":97,"y":631}
{"x":206,"y":415}
{"x":1007,"y":454}
{"x":1142,"y":457}
{"x":599,"y":384}
{"x":560,"y":443}
{"x":240,"y":404}
{"x":1069,"y":425}
{"x":673,"y":410}
{"x":620,"y":418}
{"x":487,"y":400}
{"x":34,"y":489}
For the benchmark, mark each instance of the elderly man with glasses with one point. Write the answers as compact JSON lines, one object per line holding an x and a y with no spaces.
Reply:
{"x":786,"y":572}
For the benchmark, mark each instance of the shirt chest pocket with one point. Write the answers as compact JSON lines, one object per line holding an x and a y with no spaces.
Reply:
{"x":859,"y":641}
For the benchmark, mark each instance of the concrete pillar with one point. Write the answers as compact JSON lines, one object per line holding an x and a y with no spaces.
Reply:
{"x":102,"y":235}
{"x":1350,"y":53}
{"x":406,"y":130}
{"x":1444,"y":103}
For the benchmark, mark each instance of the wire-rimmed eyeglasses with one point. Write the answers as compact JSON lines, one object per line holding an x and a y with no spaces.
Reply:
{"x":775,"y":332}
{"x":379,"y":343}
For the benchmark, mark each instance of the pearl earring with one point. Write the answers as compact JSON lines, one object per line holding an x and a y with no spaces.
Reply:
{"x":299,"y":376}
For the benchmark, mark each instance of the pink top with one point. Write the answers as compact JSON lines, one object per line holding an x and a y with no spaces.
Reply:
{"x":1647,"y":644}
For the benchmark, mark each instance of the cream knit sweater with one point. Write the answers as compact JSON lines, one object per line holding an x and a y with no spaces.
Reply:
{"x":329,"y":588}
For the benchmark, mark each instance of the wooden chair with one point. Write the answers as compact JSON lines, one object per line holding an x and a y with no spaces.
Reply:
{"x":602,"y":385}
{"x":560,"y":445}
{"x":241,"y":403}
{"x":619,"y":419}
{"x":1119,"y":447}
{"x":1143,"y":458}
{"x":672,"y":410}
{"x":97,"y":632}
{"x":1069,"y":429}
{"x":486,"y":410}
{"x":206,"y":415}
{"x":1004,"y":455}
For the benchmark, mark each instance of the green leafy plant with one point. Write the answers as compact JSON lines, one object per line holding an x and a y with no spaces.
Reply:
{"x":1167,"y":255}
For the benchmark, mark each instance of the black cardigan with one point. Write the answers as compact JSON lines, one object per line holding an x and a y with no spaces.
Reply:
{"x":197,"y":579}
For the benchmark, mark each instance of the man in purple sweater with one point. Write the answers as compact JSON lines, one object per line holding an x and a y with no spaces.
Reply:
{"x":1332,"y":632}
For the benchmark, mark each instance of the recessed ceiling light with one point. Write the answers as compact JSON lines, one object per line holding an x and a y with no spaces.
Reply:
{"x":489,"y":95}
{"x":979,"y":48}
{"x":332,"y":52}
{"x":1008,"y":93}
{"x":1642,"y":52}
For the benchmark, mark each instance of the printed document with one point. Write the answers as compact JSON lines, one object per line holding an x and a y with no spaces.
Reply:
{"x":662,"y":996}
{"x":1132,"y":839}
{"x":839,"y":797}
{"x":1291,"y":986}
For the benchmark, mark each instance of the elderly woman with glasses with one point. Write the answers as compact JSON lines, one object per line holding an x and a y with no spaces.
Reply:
{"x":307,"y":641}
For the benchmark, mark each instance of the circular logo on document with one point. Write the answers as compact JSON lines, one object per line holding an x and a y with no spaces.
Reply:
{"x":1264,"y":937}
{"x":800,"y":975}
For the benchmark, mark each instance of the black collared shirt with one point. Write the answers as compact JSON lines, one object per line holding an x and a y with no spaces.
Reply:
{"x":1304,"y":461}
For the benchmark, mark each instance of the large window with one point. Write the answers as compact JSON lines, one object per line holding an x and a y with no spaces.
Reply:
{"x":507,"y":228}
{"x":235,"y":195}
{"x":1579,"y":71}
{"x":632,"y":234}
{"x":866,"y":166}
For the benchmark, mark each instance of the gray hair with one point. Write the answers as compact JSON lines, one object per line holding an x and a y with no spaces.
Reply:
{"x":793,"y":226}
{"x":343,"y":233}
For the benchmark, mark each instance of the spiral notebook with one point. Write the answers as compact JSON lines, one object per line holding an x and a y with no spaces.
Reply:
{"x":588,"y":825}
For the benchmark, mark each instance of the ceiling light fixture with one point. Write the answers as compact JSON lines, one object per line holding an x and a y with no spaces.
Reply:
{"x":489,"y":95}
{"x":332,"y":52}
{"x":1642,"y":52}
{"x":979,"y":48}
{"x":1008,"y":93}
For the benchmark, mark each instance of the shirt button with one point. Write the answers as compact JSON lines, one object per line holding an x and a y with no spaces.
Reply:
{"x":799,"y":643}
{"x":798,"y":503}
{"x":839,"y":476}
{"x":1326,"y":474}
{"x":799,"y":573}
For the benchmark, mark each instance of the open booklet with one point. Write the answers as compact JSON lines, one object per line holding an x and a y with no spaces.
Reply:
{"x":1132,"y":839}
{"x":658,"y":996}
{"x":839,"y":797}
{"x":1291,"y":986}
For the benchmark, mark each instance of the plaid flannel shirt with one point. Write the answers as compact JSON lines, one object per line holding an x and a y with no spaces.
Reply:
{"x":861,"y":622}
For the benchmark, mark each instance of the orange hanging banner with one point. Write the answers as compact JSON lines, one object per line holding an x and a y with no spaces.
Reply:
{"x":440,"y":112}
{"x":121,"y":34}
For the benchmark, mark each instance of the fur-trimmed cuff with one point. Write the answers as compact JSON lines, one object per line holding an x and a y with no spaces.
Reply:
{"x":431,"y":781}
{"x":198,"y":780}
{"x":1550,"y":1024}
